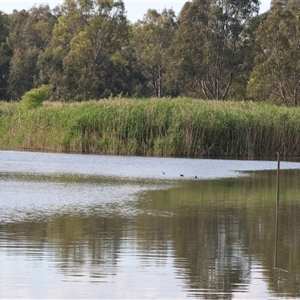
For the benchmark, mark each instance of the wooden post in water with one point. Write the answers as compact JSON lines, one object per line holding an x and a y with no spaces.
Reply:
{"x":277,"y":181}
{"x":277,"y":208}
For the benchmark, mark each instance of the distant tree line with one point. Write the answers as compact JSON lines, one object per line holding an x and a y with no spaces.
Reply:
{"x":213,"y":49}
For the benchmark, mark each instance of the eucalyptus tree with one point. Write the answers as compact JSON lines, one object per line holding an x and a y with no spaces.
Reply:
{"x":276,"y":74}
{"x":152,"y":39}
{"x":29,"y":33}
{"x":86,"y":46}
{"x":17,"y":78}
{"x":238,"y":89}
{"x":5,"y":56}
{"x":211,"y":44}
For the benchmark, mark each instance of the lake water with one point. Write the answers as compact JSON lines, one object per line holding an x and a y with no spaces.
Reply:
{"x":107,"y":227}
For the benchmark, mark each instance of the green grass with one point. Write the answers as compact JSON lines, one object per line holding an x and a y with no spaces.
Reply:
{"x":154,"y":127}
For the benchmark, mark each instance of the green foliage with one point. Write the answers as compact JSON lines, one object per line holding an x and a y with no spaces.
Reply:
{"x":29,"y":33}
{"x":88,"y":50}
{"x":211,"y":45}
{"x":152,"y":39}
{"x":212,"y":50}
{"x":155,"y":127}
{"x":277,"y":64}
{"x":83,"y":58}
{"x":35,"y":97}
{"x":5,"y":55}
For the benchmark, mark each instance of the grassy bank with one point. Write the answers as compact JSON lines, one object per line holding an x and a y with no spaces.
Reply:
{"x":156,"y":127}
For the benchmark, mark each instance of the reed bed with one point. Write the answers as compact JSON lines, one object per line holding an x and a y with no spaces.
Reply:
{"x":154,"y":127}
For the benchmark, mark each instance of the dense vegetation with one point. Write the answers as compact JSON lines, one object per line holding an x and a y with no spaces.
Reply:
{"x":213,"y":49}
{"x":156,"y":127}
{"x":86,"y":50}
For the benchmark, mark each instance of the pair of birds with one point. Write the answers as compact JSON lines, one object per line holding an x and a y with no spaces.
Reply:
{"x":181,"y":175}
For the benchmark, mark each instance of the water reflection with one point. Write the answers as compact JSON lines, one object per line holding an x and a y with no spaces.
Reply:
{"x":75,"y":236}
{"x":219,"y":232}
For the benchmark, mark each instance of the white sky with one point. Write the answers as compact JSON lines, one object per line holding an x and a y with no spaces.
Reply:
{"x":135,"y":8}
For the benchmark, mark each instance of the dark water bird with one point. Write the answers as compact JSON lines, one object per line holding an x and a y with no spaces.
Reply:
{"x":181,"y":175}
{"x":196,"y":177}
{"x":164,"y":173}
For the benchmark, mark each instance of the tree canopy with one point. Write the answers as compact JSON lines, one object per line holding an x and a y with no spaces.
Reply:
{"x":214,"y":49}
{"x":153,"y":37}
{"x":276,"y":73}
{"x":210,"y":45}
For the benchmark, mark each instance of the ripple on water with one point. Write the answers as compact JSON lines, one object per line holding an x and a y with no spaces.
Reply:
{"x":74,"y":226}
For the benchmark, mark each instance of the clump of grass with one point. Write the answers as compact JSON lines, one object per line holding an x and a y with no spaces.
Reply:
{"x":7,"y":108}
{"x":156,"y":127}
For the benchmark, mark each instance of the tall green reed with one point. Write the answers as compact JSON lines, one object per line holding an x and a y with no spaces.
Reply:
{"x":156,"y":127}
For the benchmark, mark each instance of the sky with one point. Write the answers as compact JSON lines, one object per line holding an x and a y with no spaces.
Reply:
{"x":135,"y":8}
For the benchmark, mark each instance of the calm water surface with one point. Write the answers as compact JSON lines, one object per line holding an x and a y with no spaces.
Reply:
{"x":77,"y":226}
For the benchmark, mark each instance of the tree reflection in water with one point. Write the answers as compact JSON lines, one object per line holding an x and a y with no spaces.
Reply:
{"x":214,"y":230}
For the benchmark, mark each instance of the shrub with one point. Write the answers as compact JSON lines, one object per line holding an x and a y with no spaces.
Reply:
{"x":35,"y":97}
